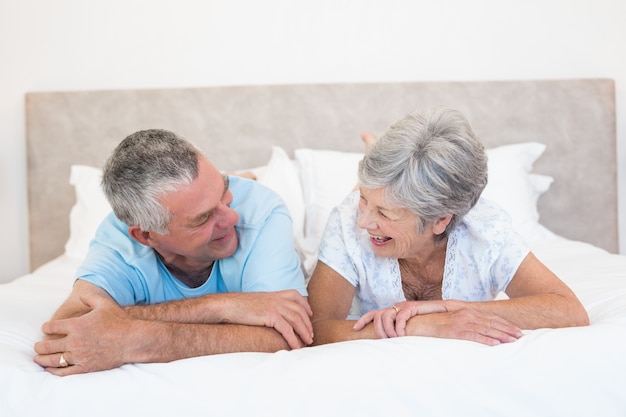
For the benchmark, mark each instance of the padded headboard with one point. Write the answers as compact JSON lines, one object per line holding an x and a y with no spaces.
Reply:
{"x":237,"y":126}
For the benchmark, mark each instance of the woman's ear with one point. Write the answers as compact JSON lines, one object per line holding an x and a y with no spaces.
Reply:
{"x":139,"y":235}
{"x":440,"y":225}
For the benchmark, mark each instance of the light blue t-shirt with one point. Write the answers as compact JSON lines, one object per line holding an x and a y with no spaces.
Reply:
{"x":482,"y":255}
{"x":265,"y":260}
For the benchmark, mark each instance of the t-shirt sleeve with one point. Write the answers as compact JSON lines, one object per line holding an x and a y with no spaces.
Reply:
{"x":105,"y":269}
{"x":273,"y":263}
{"x":119,"y":265}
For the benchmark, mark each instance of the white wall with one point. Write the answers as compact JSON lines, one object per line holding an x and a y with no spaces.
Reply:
{"x":77,"y":44}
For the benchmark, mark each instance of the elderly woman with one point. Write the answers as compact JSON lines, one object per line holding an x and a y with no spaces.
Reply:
{"x":416,"y":251}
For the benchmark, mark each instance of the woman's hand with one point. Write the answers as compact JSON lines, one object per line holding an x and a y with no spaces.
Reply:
{"x":466,"y":324}
{"x":437,"y":319}
{"x":386,"y":320}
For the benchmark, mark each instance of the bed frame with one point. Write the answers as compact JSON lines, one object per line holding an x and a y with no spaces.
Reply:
{"x":237,"y":126}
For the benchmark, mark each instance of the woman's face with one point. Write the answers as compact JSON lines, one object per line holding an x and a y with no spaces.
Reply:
{"x":393,"y":231}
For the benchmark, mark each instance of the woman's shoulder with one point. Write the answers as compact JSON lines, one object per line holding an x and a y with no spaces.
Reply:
{"x":486,"y":225}
{"x":487,"y":216}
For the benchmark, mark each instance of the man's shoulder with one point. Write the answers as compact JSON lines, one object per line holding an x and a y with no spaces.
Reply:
{"x":254,"y":201}
{"x":112,"y":234}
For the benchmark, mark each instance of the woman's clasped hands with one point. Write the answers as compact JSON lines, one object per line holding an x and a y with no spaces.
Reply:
{"x":438,"y":318}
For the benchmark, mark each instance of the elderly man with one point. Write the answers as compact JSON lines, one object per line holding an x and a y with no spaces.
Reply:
{"x":191,"y":262}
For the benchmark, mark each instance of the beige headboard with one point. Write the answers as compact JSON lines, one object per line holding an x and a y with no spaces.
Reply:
{"x":238,"y":125}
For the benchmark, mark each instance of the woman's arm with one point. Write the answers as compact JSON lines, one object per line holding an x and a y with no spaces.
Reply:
{"x":330,"y":297}
{"x":537,"y":299}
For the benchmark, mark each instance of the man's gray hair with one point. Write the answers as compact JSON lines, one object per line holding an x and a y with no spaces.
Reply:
{"x":431,"y":163}
{"x":142,"y":168}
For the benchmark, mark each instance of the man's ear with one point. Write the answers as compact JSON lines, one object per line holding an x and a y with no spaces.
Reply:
{"x":139,"y":235}
{"x":440,"y":225}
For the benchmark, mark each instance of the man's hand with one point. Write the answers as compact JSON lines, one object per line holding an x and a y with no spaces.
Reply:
{"x":106,"y":336}
{"x":287,"y":312}
{"x":90,"y":342}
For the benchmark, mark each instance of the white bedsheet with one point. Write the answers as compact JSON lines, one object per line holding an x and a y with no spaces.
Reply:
{"x":549,"y":372}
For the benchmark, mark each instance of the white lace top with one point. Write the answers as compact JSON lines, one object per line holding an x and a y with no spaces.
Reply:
{"x":482,"y":255}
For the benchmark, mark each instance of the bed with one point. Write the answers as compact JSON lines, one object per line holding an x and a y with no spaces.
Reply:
{"x":551,"y":143}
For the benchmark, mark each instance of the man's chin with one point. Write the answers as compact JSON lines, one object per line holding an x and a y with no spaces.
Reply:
{"x":226,"y":248}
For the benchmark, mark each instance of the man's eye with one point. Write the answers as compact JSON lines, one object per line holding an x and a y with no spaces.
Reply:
{"x":201,"y":221}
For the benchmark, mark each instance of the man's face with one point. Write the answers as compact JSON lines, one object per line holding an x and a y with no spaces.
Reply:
{"x":202,"y":225}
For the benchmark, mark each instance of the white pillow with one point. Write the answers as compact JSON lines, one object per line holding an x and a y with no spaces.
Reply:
{"x":282,"y":176}
{"x":90,"y":209}
{"x":327,"y":178}
{"x":512,"y":185}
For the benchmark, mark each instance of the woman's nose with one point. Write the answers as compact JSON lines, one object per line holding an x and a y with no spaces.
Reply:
{"x":365,"y":220}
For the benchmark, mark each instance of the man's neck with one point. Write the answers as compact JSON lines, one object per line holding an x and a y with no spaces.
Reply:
{"x":191,"y":276}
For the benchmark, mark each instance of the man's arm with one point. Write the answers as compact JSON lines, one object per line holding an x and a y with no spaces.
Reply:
{"x":286,"y":311}
{"x":94,"y":333}
{"x":107,"y":337}
{"x":73,"y":306}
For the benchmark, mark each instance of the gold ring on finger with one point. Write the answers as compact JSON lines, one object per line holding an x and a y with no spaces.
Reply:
{"x":62,"y":362}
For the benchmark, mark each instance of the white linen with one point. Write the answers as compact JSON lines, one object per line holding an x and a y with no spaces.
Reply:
{"x":556,"y":372}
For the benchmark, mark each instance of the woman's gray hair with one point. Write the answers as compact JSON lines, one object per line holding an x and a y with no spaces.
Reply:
{"x":431,"y":163}
{"x":143,"y":167}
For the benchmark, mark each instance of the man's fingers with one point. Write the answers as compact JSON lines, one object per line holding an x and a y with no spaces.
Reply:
{"x":54,"y":327}
{"x":299,"y":323}
{"x":51,"y":360}
{"x":288,"y":334}
{"x":292,"y":320}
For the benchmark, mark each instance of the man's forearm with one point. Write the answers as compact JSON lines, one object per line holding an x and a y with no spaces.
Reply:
{"x":154,"y":341}
{"x":204,"y":309}
{"x":107,"y":338}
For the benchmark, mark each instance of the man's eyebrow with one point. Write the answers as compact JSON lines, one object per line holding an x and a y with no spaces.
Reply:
{"x":203,"y":216}
{"x":226,"y":184}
